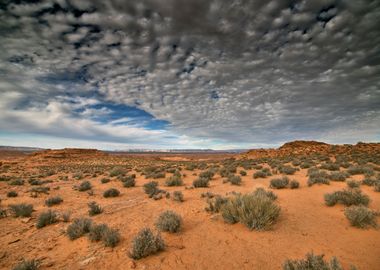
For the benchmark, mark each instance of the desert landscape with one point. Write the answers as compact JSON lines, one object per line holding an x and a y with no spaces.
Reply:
{"x":302,"y":198}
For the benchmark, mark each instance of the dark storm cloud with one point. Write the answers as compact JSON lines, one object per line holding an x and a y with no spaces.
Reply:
{"x":235,"y":71}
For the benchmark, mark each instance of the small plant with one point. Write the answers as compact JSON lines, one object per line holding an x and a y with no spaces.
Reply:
{"x":287,"y":169}
{"x":21,"y":210}
{"x":215,"y":203}
{"x":318,"y":177}
{"x":146,"y":243}
{"x":46,"y":218}
{"x":78,"y":228}
{"x":313,"y":262}
{"x":151,"y":188}
{"x":178,"y":196}
{"x":112,"y":192}
{"x":256,"y":210}
{"x":117,"y":171}
{"x":347,"y":197}
{"x":360,"y":216}
{"x":338,"y":176}
{"x":169,"y":221}
{"x":207,"y":175}
{"x":27,"y":265}
{"x":263,"y":192}
{"x":94,"y":209}
{"x":353,"y":184}
{"x":53,"y":201}
{"x":105,"y":180}
{"x":84,"y":186}
{"x":201,"y":182}
{"x":110,"y":237}
{"x":234,"y":180}
{"x":128,"y":181}
{"x":243,"y":173}
{"x":294,"y":184}
{"x":174,"y":181}
{"x":279,"y":183}
{"x":96,"y":232}
{"x":16,"y":182}
{"x":261,"y":174}
{"x":360,"y":169}
{"x":66,"y":216}
{"x":12,"y":194}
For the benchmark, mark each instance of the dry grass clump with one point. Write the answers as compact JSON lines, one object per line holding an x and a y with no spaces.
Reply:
{"x":207,"y":175}
{"x":294,"y":184}
{"x":151,"y":188}
{"x":110,"y":193}
{"x":53,"y":201}
{"x":243,"y":173}
{"x":169,"y":221}
{"x":317,"y":177}
{"x":361,"y":169}
{"x":313,"y":262}
{"x":263,"y":173}
{"x":178,"y":196}
{"x":353,"y":184}
{"x":279,"y":183}
{"x":27,"y":265}
{"x":234,"y":179}
{"x":46,"y":218}
{"x":338,"y":176}
{"x":201,"y":182}
{"x":12,"y":194}
{"x":21,"y":210}
{"x":84,"y":186}
{"x":348,"y":197}
{"x":128,"y":181}
{"x":285,"y":169}
{"x":101,"y":232}
{"x":361,"y":216}
{"x":215,"y":203}
{"x":146,"y":243}
{"x":256,"y":210}
{"x":105,"y":180}
{"x":94,"y":209}
{"x":330,"y":166}
{"x":174,"y":180}
{"x":17,"y":182}
{"x":117,"y":171}
{"x":78,"y":228}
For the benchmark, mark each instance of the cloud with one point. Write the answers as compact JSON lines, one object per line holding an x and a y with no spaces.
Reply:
{"x":218,"y":72}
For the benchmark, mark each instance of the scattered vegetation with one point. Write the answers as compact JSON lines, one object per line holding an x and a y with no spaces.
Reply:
{"x":201,"y":182}
{"x":178,"y":196}
{"x":84,"y":186}
{"x":294,"y":184}
{"x":174,"y":181}
{"x":101,"y":232}
{"x":12,"y":194}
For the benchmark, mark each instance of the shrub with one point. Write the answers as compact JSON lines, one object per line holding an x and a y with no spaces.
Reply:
{"x":306,"y":165}
{"x":110,"y":237}
{"x":207,"y":175}
{"x":27,"y":265}
{"x":261,"y":174}
{"x":96,"y":232}
{"x":174,"y":181}
{"x":347,"y":197}
{"x":353,"y":184}
{"x":318,"y":177}
{"x":263,"y":192}
{"x":215,"y":203}
{"x":294,"y":184}
{"x":146,"y":243}
{"x":105,"y":180}
{"x":338,"y":176}
{"x":279,"y":183}
{"x":313,"y":262}
{"x":16,"y":182}
{"x":53,"y":201}
{"x":84,"y":186}
{"x":12,"y":194}
{"x":178,"y":196}
{"x":360,"y":169}
{"x":201,"y":183}
{"x":360,"y":216}
{"x":243,"y":173}
{"x":21,"y":210}
{"x":129,"y":181}
{"x":112,"y":192}
{"x":169,"y":221}
{"x":377,"y":187}
{"x":66,"y":216}
{"x":256,"y":211}
{"x":94,"y":209}
{"x":117,"y":171}
{"x":78,"y":228}
{"x":330,"y":166}
{"x":151,"y":188}
{"x":234,"y":180}
{"x":46,"y":218}
{"x":370,"y":181}
{"x":287,"y":169}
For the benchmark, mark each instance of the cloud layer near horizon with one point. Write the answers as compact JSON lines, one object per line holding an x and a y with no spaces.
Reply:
{"x":187,"y":74}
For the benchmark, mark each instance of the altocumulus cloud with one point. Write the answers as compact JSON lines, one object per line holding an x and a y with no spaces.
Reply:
{"x":179,"y":73}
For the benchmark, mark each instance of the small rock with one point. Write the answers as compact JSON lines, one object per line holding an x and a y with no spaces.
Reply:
{"x":25,"y":220}
{"x":87,"y":261}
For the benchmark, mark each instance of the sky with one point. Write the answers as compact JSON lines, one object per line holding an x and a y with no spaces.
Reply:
{"x":166,"y":74}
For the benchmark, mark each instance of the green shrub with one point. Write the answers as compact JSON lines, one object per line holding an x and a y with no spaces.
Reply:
{"x":261,"y":174}
{"x":330,"y":166}
{"x":353,"y":184}
{"x":105,"y":180}
{"x":338,"y":176}
{"x":215,"y":203}
{"x":96,"y":232}
{"x":207,"y":175}
{"x":313,"y":262}
{"x":27,"y":265}
{"x":78,"y":228}
{"x":151,"y":188}
{"x":12,"y":194}
{"x":294,"y":184}
{"x":21,"y":210}
{"x":110,"y":237}
{"x":112,"y":192}
{"x":94,"y":209}
{"x":318,"y":177}
{"x":53,"y":201}
{"x":255,"y":210}
{"x":306,"y":165}
{"x":263,"y":192}
{"x":146,"y":243}
{"x":360,"y":169}
{"x":370,"y":181}
{"x":279,"y":183}
{"x":243,"y":173}
{"x":128,"y":181}
{"x":84,"y":186}
{"x":287,"y":169}
{"x":46,"y":218}
{"x":178,"y":196}
{"x":174,"y":181}
{"x":16,"y":182}
{"x":234,"y":180}
{"x":360,"y":216}
{"x":169,"y":221}
{"x":201,"y":182}
{"x":347,"y":197}
{"x":117,"y":171}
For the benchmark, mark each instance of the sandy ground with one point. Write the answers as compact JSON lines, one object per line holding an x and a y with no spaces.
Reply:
{"x":206,"y":241}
